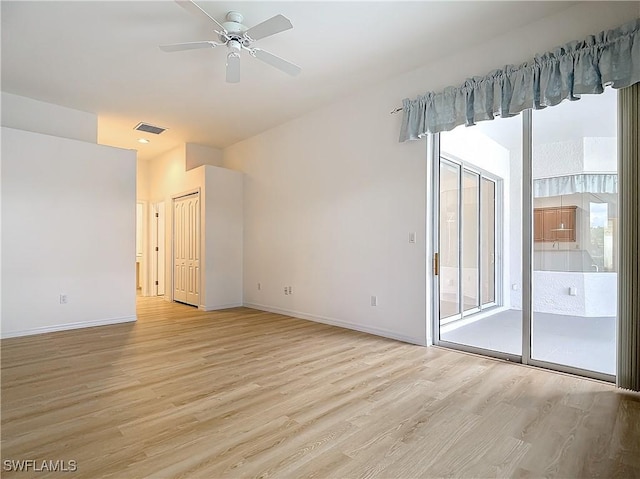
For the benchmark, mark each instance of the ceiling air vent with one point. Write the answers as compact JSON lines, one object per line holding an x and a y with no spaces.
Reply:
{"x":147,"y":128}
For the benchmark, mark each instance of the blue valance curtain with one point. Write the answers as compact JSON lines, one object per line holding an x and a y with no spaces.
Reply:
{"x":581,"y":67}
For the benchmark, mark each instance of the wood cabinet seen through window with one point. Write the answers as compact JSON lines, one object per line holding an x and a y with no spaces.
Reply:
{"x":554,"y":224}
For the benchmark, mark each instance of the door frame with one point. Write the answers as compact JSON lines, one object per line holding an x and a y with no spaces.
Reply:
{"x":157,"y":251}
{"x":433,"y":163}
{"x":143,"y":260}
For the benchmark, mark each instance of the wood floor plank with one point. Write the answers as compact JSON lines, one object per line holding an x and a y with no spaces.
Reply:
{"x":246,"y":393}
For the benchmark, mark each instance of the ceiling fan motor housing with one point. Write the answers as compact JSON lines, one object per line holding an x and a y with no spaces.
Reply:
{"x":233,"y":25}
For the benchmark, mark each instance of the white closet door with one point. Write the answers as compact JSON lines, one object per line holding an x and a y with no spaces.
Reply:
{"x":186,"y":249}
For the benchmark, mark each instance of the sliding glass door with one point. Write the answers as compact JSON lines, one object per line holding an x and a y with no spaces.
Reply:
{"x":525,"y":237}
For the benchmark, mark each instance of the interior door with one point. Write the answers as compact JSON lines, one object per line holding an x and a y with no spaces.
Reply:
{"x":186,"y":249}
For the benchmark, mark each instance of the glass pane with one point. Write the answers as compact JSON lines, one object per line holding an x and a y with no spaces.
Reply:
{"x":449,"y":240}
{"x":575,"y":233}
{"x":470,"y":239}
{"x":488,"y":242}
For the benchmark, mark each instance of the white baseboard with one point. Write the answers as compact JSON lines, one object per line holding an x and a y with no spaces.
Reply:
{"x":67,"y":326}
{"x":385,"y":333}
{"x":222,"y":306}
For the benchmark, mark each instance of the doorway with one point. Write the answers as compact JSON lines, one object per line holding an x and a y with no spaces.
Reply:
{"x":140,"y":264}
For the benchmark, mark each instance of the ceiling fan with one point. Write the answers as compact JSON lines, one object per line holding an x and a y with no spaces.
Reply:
{"x":237,"y":37}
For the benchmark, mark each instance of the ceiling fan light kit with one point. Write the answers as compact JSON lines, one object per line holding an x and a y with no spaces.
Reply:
{"x":237,"y":37}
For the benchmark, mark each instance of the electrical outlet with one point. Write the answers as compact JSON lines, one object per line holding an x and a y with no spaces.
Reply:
{"x":64,"y":299}
{"x":259,"y":286}
{"x":290,"y":290}
{"x":286,"y":290}
{"x":374,"y":301}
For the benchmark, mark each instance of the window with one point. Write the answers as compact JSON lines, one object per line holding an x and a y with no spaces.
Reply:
{"x":467,"y":240}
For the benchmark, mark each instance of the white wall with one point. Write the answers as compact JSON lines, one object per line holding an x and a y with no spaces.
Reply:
{"x":595,"y":293}
{"x":39,"y":117}
{"x":557,"y":158}
{"x":600,"y":154}
{"x":166,"y":173}
{"x":143,"y":228}
{"x":68,"y":217}
{"x":198,"y":155}
{"x":329,"y":202}
{"x":142,"y":180}
{"x":331,"y":197}
{"x":223,"y":232}
{"x":575,"y":156}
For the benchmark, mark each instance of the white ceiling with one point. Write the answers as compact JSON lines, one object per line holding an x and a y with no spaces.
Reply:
{"x":103,"y":57}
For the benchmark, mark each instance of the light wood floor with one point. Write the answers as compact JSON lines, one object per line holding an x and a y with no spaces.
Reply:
{"x":242,"y":393}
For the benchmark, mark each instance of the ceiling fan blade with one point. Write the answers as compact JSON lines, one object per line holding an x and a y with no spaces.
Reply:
{"x":274,"y":25}
{"x":275,"y":61}
{"x":233,"y":68}
{"x":194,"y":9}
{"x":179,"y":47}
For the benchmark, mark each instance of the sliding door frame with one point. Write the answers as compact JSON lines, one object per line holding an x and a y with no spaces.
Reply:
{"x":527,"y":234}
{"x":433,"y":162}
